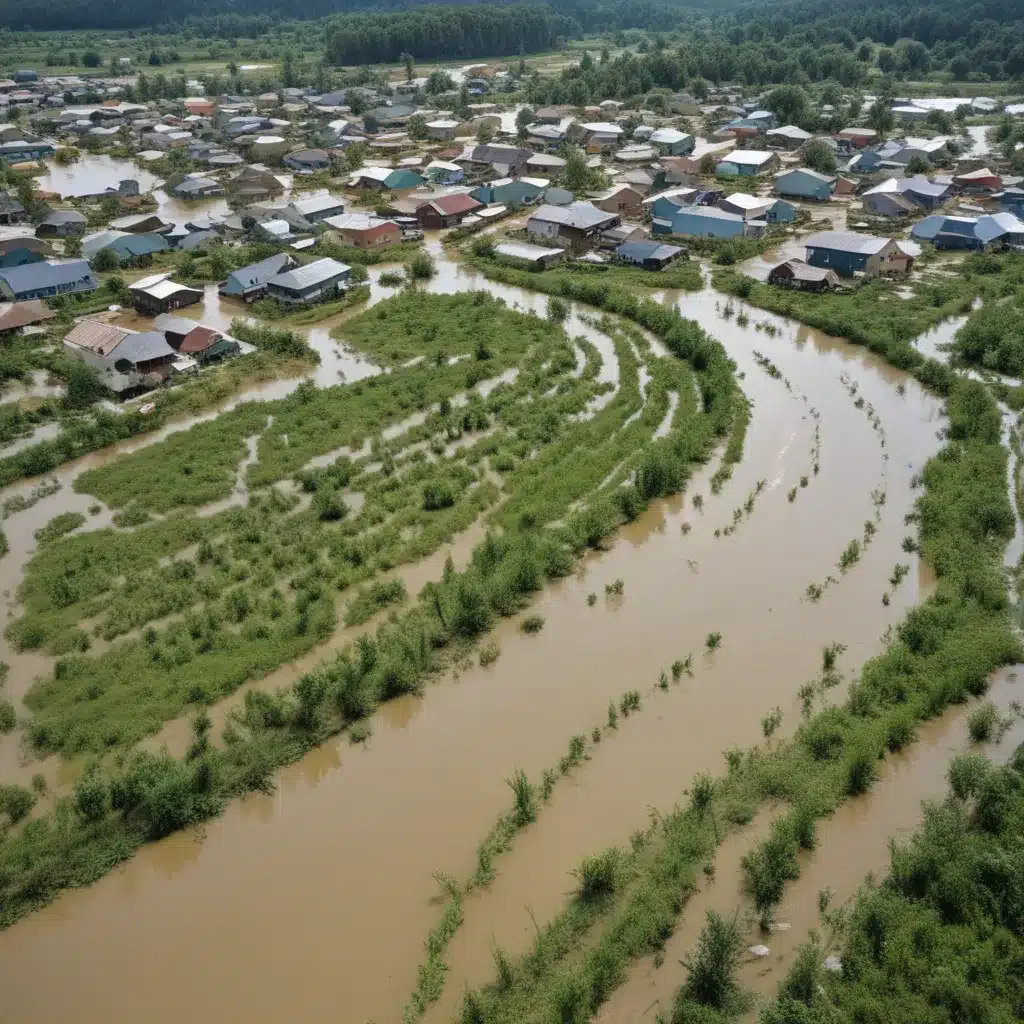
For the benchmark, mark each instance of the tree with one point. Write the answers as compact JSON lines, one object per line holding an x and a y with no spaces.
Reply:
{"x":484,"y":133}
{"x":355,"y":102}
{"x":84,"y":386}
{"x":576,"y":176}
{"x":820,"y":157}
{"x":91,"y":59}
{"x":439,"y":81}
{"x":788,"y":103}
{"x":355,"y":156}
{"x":288,"y":75}
{"x":371,"y":124}
{"x":73,"y":246}
{"x":918,"y":165}
{"x":712,"y":968}
{"x":105,"y":259}
{"x":880,"y":117}
{"x":410,"y":66}
{"x":417,"y":127}
{"x":524,"y":118}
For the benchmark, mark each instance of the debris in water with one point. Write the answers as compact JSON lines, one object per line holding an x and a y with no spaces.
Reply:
{"x":759,"y":951}
{"x":833,"y":963}
{"x":779,"y":926}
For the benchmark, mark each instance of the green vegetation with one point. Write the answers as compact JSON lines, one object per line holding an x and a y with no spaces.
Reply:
{"x":942,"y":901}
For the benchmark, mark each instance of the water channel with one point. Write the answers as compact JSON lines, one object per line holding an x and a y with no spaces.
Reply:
{"x":313,"y":903}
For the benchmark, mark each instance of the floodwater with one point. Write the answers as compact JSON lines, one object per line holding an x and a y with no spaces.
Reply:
{"x":321,"y":895}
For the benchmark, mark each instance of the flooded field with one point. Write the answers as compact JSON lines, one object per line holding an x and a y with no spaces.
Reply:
{"x":313,"y":902}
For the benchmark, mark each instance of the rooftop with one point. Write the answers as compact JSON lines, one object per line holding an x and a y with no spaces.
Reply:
{"x":310,"y":275}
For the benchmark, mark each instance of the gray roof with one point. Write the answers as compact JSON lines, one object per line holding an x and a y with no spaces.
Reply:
{"x":640,"y":251}
{"x":56,"y":217}
{"x":260,"y":273}
{"x":139,"y":348}
{"x":847,"y":241}
{"x":310,"y":275}
{"x":45,"y":275}
{"x":168,"y":322}
{"x":581,"y":215}
{"x":317,"y":204}
{"x":490,"y":154}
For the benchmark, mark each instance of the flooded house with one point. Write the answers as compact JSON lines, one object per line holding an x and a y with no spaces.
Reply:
{"x":250,"y":283}
{"x":159,"y":294}
{"x":309,"y":284}
{"x":46,"y":280}
{"x":849,"y":253}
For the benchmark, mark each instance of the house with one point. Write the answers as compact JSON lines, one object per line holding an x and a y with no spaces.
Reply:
{"x":505,"y":161}
{"x":361,"y":230}
{"x":935,"y":150}
{"x":308,"y":161}
{"x":797,"y":274}
{"x":447,"y":211}
{"x":649,"y":255}
{"x":771,"y":211}
{"x":596,"y":135}
{"x":1000,"y":230}
{"x":19,"y":151}
{"x":612,"y":238}
{"x":254,"y":183}
{"x":188,"y":338}
{"x":978,"y":182}
{"x":61,"y":224}
{"x":46,"y":280}
{"x":443,"y":172}
{"x":620,"y":199}
{"x":1010,"y":199}
{"x":858,"y":137}
{"x":197,"y":187}
{"x":15,"y":315}
{"x":442,"y":130}
{"x":707,"y":222}
{"x":546,"y":136}
{"x":536,"y":255}
{"x":21,"y":249}
{"x":139,"y":223}
{"x":747,"y":163}
{"x":511,"y":190}
{"x":578,"y":222}
{"x":159,"y":294}
{"x":919,"y":190}
{"x":250,"y":283}
{"x":908,"y":112}
{"x":128,"y":361}
{"x":788,"y":137}
{"x":803,"y":183}
{"x":638,"y":178}
{"x":11,"y":209}
{"x":304,"y":213}
{"x":314,"y":282}
{"x":848,"y":253}
{"x":265,"y":147}
{"x":672,"y":142}
{"x":664,"y":204}
{"x":386,"y":178}
{"x":887,"y":204}
{"x":125,"y":246}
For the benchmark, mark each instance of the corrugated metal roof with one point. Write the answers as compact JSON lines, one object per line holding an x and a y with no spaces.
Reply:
{"x":847,"y":241}
{"x":140,"y":348}
{"x":578,"y":215}
{"x":96,"y":337}
{"x":310,"y":275}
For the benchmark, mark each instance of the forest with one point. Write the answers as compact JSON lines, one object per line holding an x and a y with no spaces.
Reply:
{"x":775,"y":41}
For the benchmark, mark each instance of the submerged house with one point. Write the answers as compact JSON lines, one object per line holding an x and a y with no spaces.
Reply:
{"x":649,"y":255}
{"x":127,"y":361}
{"x":447,"y":211}
{"x":46,"y":280}
{"x":362,"y":230}
{"x":707,"y":222}
{"x":315,"y":282}
{"x":250,"y":283}
{"x":849,"y":253}
{"x":1000,"y":230}
{"x":748,"y":163}
{"x":803,"y":183}
{"x":797,"y":274}
{"x":578,"y":222}
{"x":159,"y":294}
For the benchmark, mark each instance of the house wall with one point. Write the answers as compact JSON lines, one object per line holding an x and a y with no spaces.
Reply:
{"x":846,"y":264}
{"x":694,"y":225}
{"x":802,"y":186}
{"x":542,"y":229}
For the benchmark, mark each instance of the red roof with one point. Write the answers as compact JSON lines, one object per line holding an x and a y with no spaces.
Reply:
{"x":460,"y":203}
{"x":21,"y":314}
{"x":199,"y":339}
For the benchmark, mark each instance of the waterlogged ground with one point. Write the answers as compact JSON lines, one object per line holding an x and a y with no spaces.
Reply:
{"x":314,"y":902}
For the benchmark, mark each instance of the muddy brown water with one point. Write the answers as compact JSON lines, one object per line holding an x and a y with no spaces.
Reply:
{"x":314,"y":902}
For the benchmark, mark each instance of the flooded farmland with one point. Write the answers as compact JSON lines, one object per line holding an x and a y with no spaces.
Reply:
{"x":313,"y":902}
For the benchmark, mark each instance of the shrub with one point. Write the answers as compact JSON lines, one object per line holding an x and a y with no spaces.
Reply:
{"x":598,"y":875}
{"x":532,"y":624}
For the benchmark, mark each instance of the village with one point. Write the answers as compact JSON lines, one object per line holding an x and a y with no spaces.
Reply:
{"x":318,"y":192}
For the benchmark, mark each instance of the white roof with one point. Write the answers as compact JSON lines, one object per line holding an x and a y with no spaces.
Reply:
{"x":525,"y":251}
{"x":668,"y":135}
{"x":355,"y":222}
{"x":277,"y":227}
{"x":751,"y":157}
{"x":315,"y":204}
{"x":268,"y":140}
{"x":375,"y":173}
{"x":927,"y":145}
{"x":442,"y":124}
{"x":603,"y":127}
{"x":748,"y":202}
{"x":888,"y":187}
{"x":672,"y":193}
{"x":444,"y":165}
